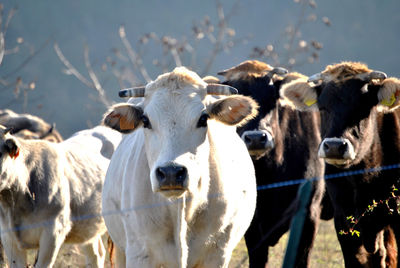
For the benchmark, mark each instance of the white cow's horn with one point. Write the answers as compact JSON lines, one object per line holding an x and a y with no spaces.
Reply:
{"x":134,"y":92}
{"x":219,"y":89}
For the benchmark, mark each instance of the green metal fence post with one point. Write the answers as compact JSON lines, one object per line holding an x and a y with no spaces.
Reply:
{"x":296,"y":227}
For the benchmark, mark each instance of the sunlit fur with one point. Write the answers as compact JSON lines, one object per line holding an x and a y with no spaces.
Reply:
{"x":209,"y":79}
{"x":179,"y":78}
{"x":299,"y":91}
{"x":389,"y":87}
{"x":200,"y":225}
{"x":234,"y":110}
{"x":344,"y":70}
{"x":53,"y":191}
{"x":249,"y":68}
{"x":122,"y":119}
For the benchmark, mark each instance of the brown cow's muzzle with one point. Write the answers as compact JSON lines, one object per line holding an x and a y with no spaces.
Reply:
{"x":336,"y":151}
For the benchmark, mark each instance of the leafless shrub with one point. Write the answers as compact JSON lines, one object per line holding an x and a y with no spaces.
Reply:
{"x":292,"y":51}
{"x":127,"y":64}
{"x":12,"y":80}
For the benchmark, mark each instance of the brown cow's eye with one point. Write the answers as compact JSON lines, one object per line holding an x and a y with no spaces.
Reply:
{"x":203,"y":120}
{"x":146,"y":122}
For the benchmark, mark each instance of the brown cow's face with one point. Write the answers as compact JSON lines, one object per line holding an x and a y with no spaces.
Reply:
{"x":348,"y":96}
{"x":347,"y":121}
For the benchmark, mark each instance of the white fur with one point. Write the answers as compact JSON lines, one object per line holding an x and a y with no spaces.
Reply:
{"x":201,"y":226}
{"x":69,"y":191}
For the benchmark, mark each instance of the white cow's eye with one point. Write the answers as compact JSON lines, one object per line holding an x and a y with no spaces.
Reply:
{"x":146,"y":122}
{"x":203,"y":120}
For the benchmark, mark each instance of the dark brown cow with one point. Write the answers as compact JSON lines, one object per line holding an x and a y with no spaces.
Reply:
{"x":283,"y":143}
{"x":28,"y":126}
{"x":361,"y":131}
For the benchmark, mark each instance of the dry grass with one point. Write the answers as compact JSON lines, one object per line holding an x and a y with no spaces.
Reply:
{"x":325,"y":253}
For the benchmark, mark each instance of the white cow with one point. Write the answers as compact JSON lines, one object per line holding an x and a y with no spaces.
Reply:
{"x":180,"y":190}
{"x":50,"y":193}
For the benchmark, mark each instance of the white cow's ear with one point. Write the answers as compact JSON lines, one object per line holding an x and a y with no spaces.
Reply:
{"x":233,"y":110}
{"x":389,"y":93}
{"x":12,"y":148}
{"x":301,"y":94}
{"x":123,"y":117}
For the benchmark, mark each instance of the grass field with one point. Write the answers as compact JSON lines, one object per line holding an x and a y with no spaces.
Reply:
{"x":325,"y":253}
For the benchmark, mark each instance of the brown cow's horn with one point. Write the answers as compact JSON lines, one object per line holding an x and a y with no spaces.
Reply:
{"x":372,"y":75}
{"x":278,"y":71}
{"x":218,"y":89}
{"x":134,"y":92}
{"x":315,"y":77}
{"x":7,"y":130}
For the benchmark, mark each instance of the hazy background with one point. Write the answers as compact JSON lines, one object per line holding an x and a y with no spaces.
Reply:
{"x":305,"y":35}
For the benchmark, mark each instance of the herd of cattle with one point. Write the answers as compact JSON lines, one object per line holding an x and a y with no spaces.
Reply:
{"x":176,"y":175}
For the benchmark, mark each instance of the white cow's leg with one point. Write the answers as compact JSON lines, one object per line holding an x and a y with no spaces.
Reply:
{"x":95,"y":253}
{"x":15,"y":256}
{"x":49,"y":245}
{"x":135,"y":257}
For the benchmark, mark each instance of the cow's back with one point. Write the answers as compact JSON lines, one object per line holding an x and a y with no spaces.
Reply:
{"x":87,"y":156}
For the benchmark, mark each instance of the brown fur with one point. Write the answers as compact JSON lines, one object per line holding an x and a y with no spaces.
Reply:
{"x":111,"y":250}
{"x":344,"y":70}
{"x":391,"y":247}
{"x":122,"y":117}
{"x":390,"y":86}
{"x":246,"y":70}
{"x":293,"y":76}
{"x":298,"y":92}
{"x":209,"y":79}
{"x":236,"y":112}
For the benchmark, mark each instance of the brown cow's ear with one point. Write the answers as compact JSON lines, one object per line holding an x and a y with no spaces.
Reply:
{"x":389,"y":93}
{"x":123,"y":117}
{"x":301,"y":94}
{"x":233,"y":110}
{"x":12,"y":148}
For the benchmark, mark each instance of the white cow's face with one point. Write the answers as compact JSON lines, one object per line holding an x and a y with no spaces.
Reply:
{"x":174,"y":116}
{"x":175,"y":127}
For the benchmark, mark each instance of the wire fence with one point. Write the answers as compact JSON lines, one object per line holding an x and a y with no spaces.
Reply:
{"x":214,"y":195}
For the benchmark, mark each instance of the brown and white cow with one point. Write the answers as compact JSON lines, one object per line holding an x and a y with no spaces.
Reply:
{"x":50,"y":193}
{"x":181,"y":177}
{"x":361,"y":133}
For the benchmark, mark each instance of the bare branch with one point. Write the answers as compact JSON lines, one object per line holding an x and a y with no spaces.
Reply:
{"x":93,"y":77}
{"x":9,"y":17}
{"x":28,"y":59}
{"x":218,"y":41}
{"x":2,"y":47}
{"x":134,"y":58}
{"x":71,"y":69}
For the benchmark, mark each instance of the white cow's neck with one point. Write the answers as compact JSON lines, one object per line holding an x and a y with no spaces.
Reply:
{"x":181,"y":234}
